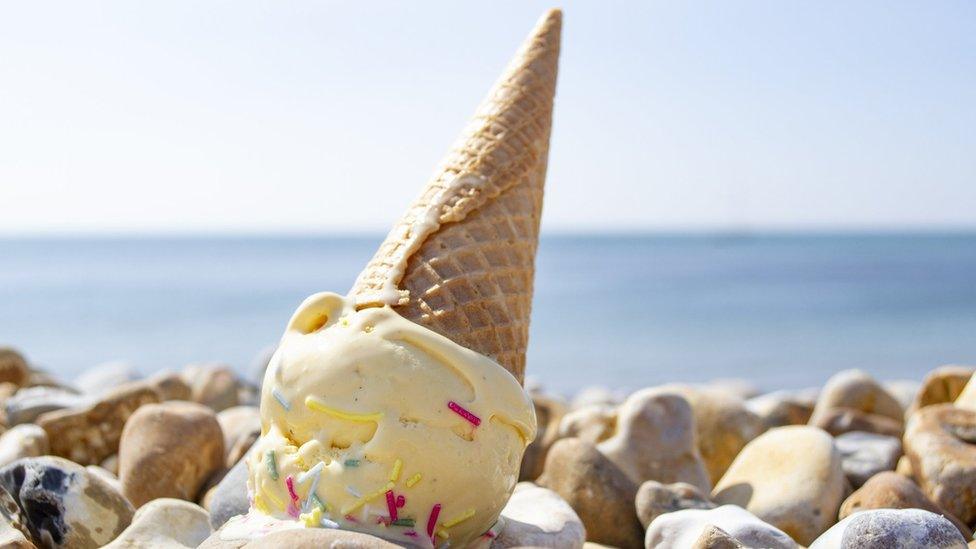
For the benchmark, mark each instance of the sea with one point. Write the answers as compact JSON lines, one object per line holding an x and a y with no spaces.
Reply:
{"x":620,"y":311}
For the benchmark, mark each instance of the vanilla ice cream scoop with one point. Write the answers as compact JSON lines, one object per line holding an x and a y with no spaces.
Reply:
{"x":373,"y":423}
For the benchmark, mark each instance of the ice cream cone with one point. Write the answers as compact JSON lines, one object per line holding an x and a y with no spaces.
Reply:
{"x":461,"y":261}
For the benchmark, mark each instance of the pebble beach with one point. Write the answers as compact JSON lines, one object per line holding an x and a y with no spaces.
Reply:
{"x":115,"y":459}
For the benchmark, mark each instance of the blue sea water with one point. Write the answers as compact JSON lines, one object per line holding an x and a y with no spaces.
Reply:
{"x":620,"y":311}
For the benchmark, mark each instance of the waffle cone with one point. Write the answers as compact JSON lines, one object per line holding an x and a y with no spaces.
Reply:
{"x":461,"y":261}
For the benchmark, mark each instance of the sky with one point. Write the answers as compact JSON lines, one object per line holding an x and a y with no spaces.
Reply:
{"x":326,"y":117}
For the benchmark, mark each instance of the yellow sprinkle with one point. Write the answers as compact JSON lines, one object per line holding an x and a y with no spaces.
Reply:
{"x":413,"y":480}
{"x":458,"y":519}
{"x":260,"y":505}
{"x":274,"y":499}
{"x":317,"y":406}
{"x":395,"y":473}
{"x":345,"y":321}
{"x":443,"y":533}
{"x":367,"y":498}
{"x":312,"y":519}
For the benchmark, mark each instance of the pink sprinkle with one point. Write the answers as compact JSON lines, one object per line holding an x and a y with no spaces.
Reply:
{"x":391,"y":505}
{"x":410,"y":533}
{"x":432,"y":520}
{"x":401,"y":501}
{"x":351,"y":518}
{"x":292,"y":510}
{"x":290,"y":483}
{"x":457,"y":409}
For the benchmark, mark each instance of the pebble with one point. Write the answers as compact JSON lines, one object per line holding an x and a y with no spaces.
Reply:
{"x":213,"y":385}
{"x":229,"y":497}
{"x":64,"y":505}
{"x":781,"y":408}
{"x":904,"y":391}
{"x":655,"y":499}
{"x":742,"y":389}
{"x":723,"y":425}
{"x":26,"y":440}
{"x":593,"y":423}
{"x":165,"y":523}
{"x":863,"y":455}
{"x":684,"y":528}
{"x":941,"y":385}
{"x":600,"y":493}
{"x":594,"y":394}
{"x":548,"y":413}
{"x":967,"y":398}
{"x":241,"y":425}
{"x":893,"y":491}
{"x":13,"y":367}
{"x":838,"y":421}
{"x":106,"y":475}
{"x":301,"y":538}
{"x":856,"y":390}
{"x":27,"y":404}
{"x":169,"y":450}
{"x":790,"y":477}
{"x":655,"y":440}
{"x":90,"y":434}
{"x":170,"y":386}
{"x":13,"y":529}
{"x":888,"y":528}
{"x":105,"y":377}
{"x":537,"y":517}
{"x":940,"y":441}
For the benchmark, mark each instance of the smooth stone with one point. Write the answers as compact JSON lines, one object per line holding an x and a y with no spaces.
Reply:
{"x":684,"y":528}
{"x":742,"y":389}
{"x":594,"y":394}
{"x":13,"y":367}
{"x":904,"y":467}
{"x":26,"y":440}
{"x":213,"y":385}
{"x":12,"y":538}
{"x":111,"y":464}
{"x":64,"y":505}
{"x":105,"y":377}
{"x":723,"y":425}
{"x":655,"y":440}
{"x":941,"y":385}
{"x":940,"y":441}
{"x":537,"y":517}
{"x":27,"y":404}
{"x":781,"y":408}
{"x":838,"y":421}
{"x":170,"y":386}
{"x":967,"y":398}
{"x":169,"y":450}
{"x":904,"y":391}
{"x":600,"y":493}
{"x":90,"y":434}
{"x":548,"y":412}
{"x":790,"y":477}
{"x":864,"y":455}
{"x":888,"y":528}
{"x":229,"y":497}
{"x":13,"y":527}
{"x":106,"y":476}
{"x":301,"y":538}
{"x":655,"y":499}
{"x":893,"y":491}
{"x":165,"y":524}
{"x":238,"y":422}
{"x":855,"y":389}
{"x":593,"y":423}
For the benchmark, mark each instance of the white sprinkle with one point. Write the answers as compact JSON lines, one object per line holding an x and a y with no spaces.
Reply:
{"x":353,"y":492}
{"x":314,"y":471}
{"x":281,"y":399}
{"x":326,"y":523}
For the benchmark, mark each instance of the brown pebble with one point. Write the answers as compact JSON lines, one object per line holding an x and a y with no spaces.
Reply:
{"x":940,"y":441}
{"x":838,"y":421}
{"x":13,"y":367}
{"x":941,"y":385}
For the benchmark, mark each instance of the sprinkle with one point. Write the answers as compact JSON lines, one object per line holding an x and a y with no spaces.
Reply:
{"x":317,"y":406}
{"x":413,"y":480}
{"x":281,"y":399}
{"x":312,"y":519}
{"x":401,"y":501}
{"x":410,"y":533}
{"x":391,"y":505}
{"x":457,"y":409}
{"x":395,"y":473}
{"x":409,"y":522}
{"x":314,"y":498}
{"x":459,"y":519}
{"x":443,"y":533}
{"x":260,"y":505}
{"x":432,"y":519}
{"x":350,"y":518}
{"x":314,"y":471}
{"x":292,"y":511}
{"x":269,"y":459}
{"x":353,"y":491}
{"x":275,"y":499}
{"x":351,"y":463}
{"x":290,"y":484}
{"x":367,"y":498}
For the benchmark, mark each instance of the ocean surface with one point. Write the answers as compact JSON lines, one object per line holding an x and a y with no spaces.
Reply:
{"x":620,"y":311}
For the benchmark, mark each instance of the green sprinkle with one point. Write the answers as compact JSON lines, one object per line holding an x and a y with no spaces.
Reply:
{"x":269,"y":458}
{"x":351,"y":463}
{"x":317,"y":501}
{"x":404,"y":522}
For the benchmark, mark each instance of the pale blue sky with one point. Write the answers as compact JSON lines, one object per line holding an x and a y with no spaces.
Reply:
{"x":322,"y":117}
